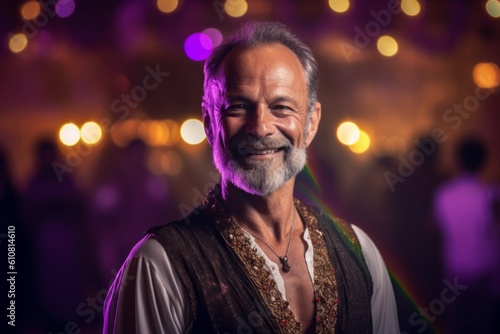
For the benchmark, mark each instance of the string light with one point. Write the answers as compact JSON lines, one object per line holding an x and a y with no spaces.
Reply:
{"x":362,"y":144}
{"x":167,"y":6}
{"x":91,"y":133}
{"x":30,"y":10}
{"x":493,"y":8}
{"x":339,"y":6}
{"x":410,"y":7}
{"x":198,"y":46}
{"x":387,"y":46}
{"x":65,"y":8}
{"x":18,"y":42}
{"x":235,"y":8}
{"x":192,"y":131}
{"x":348,"y":133}
{"x":486,"y":75}
{"x":69,"y":134}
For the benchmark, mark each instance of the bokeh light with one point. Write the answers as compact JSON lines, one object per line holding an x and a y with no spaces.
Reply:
{"x":30,"y":10}
{"x":174,"y":131}
{"x":235,"y":8}
{"x":154,"y":133}
{"x":362,"y":144}
{"x":215,"y":36}
{"x":410,"y":7}
{"x":493,"y":8}
{"x":339,"y":6}
{"x":348,"y":133}
{"x":164,"y":162}
{"x":486,"y":75}
{"x":192,"y":131}
{"x":69,"y":134}
{"x":18,"y":42}
{"x":198,"y":46}
{"x":125,"y":132}
{"x":91,"y":133}
{"x":167,"y":6}
{"x":387,"y":46}
{"x":65,"y":8}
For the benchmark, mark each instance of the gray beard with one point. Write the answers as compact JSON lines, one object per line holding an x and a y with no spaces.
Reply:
{"x":258,"y":177}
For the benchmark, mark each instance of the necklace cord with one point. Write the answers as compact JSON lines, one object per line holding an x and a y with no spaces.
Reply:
{"x":283,"y":259}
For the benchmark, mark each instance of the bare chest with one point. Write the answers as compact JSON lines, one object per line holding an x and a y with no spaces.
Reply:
{"x":298,"y":286}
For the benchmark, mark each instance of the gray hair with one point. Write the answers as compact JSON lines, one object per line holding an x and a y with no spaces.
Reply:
{"x":253,"y":35}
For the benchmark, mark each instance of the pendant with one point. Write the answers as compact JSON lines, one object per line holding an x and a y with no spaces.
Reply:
{"x":284,"y":261}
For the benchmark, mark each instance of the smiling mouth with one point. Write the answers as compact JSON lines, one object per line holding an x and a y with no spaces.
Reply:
{"x":249,"y":151}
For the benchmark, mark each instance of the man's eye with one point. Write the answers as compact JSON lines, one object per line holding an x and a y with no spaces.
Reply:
{"x":236,"y":109}
{"x":281,"y":107}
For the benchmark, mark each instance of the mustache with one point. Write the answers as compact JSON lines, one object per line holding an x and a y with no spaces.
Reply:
{"x":244,"y":144}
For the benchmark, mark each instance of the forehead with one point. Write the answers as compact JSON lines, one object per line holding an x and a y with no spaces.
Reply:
{"x":269,"y":63}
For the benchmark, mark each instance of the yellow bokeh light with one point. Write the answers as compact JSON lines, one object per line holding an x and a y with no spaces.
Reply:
{"x":235,"y":8}
{"x":486,"y":75}
{"x":192,"y":131}
{"x":362,"y":144}
{"x":339,"y":6}
{"x":387,"y":46}
{"x":410,"y":7}
{"x":154,"y":133}
{"x":124,"y":132}
{"x":69,"y":134}
{"x":30,"y":10}
{"x":493,"y":8}
{"x":18,"y":42}
{"x":348,"y":133}
{"x":174,"y":132}
{"x":91,"y":133}
{"x":167,"y":6}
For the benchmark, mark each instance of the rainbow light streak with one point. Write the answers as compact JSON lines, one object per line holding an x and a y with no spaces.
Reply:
{"x":400,"y":282}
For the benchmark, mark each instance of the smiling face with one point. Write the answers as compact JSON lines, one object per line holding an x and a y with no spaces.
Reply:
{"x":260,"y":131}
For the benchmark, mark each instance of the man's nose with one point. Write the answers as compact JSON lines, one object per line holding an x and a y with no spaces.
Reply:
{"x":261,"y":122}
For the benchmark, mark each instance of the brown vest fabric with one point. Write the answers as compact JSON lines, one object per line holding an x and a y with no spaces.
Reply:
{"x":223,"y":298}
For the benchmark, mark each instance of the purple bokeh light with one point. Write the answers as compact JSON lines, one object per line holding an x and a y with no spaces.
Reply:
{"x":65,"y":8}
{"x":198,"y":46}
{"x":215,"y":35}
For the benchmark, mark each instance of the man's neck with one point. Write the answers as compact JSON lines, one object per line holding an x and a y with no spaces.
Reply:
{"x":268,"y":217}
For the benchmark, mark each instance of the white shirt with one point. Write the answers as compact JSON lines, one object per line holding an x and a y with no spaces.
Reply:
{"x":147,"y":295}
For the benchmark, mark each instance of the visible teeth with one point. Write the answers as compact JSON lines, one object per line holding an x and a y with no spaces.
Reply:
{"x":253,"y":151}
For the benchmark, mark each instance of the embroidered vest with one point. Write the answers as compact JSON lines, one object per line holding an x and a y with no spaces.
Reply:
{"x":231,"y":292}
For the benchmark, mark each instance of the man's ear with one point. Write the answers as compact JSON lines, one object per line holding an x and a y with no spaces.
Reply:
{"x":314,"y":118}
{"x":207,"y":123}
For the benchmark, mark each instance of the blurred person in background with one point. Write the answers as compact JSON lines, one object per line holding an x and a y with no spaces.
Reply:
{"x":464,"y":212}
{"x":10,"y":218}
{"x":55,"y":211}
{"x":128,"y":196}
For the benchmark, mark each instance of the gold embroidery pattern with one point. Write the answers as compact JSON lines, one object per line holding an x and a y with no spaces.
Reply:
{"x":325,"y":284}
{"x":324,"y":281}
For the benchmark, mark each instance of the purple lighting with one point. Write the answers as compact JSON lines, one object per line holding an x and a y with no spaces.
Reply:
{"x":198,"y":46}
{"x":65,"y":8}
{"x":215,"y":35}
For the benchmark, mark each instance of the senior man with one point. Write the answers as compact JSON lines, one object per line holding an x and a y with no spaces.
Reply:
{"x":252,"y":258}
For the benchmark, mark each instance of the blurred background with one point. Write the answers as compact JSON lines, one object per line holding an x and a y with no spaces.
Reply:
{"x":100,"y":138}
